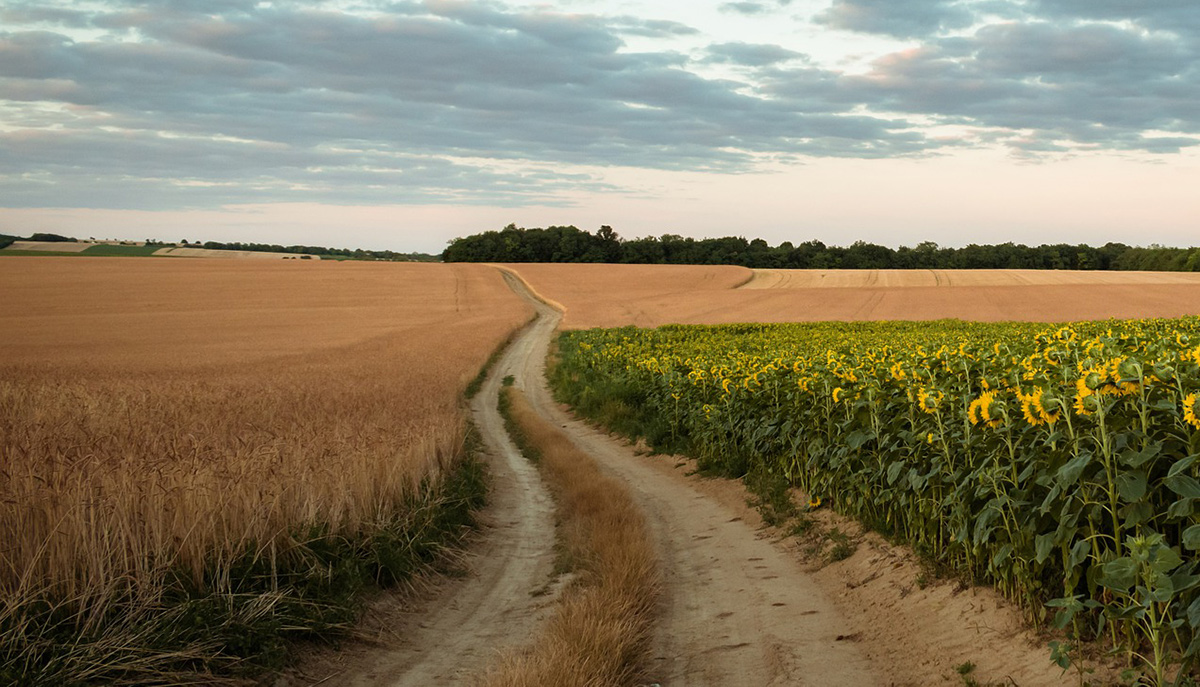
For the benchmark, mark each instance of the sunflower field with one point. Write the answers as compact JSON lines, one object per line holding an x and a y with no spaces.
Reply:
{"x":1058,"y":462}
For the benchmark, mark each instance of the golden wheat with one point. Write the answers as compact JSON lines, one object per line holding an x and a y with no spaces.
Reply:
{"x":171,"y":416}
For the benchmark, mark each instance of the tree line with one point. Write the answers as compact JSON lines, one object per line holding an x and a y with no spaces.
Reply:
{"x":570,"y":244}
{"x":346,"y":253}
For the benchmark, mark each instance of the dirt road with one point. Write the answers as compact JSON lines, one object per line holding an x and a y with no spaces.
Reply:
{"x":510,"y":589}
{"x":738,"y":610}
{"x":738,"y":607}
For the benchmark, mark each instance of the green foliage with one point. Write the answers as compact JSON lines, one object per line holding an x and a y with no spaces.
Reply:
{"x":570,"y":244}
{"x":307,"y":252}
{"x":772,"y":497}
{"x":1058,"y":462}
{"x":108,"y":249}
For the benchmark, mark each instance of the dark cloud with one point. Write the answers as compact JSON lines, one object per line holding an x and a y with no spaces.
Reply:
{"x":750,"y":54}
{"x":290,"y":100}
{"x":748,"y":8}
{"x":1099,"y":86}
{"x":202,"y":102}
{"x":901,"y":19}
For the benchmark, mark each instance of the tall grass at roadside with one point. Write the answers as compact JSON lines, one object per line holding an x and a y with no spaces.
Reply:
{"x":156,"y":530}
{"x":601,"y":625}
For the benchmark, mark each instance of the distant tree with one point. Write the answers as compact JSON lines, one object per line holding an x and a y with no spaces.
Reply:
{"x":52,"y":238}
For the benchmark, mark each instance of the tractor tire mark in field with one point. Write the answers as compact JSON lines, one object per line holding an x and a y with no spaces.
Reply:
{"x":737,"y":609}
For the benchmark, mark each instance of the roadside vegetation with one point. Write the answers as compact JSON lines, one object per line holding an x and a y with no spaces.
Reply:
{"x":600,"y":629}
{"x":1059,"y":463}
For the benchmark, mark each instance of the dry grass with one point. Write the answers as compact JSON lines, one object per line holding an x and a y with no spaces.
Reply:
{"x":174,"y":433}
{"x":601,"y":625}
{"x":653,"y":295}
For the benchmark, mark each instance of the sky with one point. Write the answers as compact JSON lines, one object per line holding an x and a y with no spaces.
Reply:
{"x":400,"y":125}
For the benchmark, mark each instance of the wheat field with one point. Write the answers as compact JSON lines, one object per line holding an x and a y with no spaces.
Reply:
{"x":174,"y":432}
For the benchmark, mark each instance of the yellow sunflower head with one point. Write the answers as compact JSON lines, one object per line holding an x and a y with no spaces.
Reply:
{"x":1189,"y":411}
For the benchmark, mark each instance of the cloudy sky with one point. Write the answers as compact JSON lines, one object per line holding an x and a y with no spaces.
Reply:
{"x":403,"y":124}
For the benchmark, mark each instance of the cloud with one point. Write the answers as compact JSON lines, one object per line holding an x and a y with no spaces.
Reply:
{"x":907,"y":19}
{"x":747,"y":8}
{"x":205,"y":102}
{"x":750,"y":54}
{"x":1096,"y":86}
{"x":289,"y":100}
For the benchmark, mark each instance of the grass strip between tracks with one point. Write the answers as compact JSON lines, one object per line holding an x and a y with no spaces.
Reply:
{"x":600,"y":629}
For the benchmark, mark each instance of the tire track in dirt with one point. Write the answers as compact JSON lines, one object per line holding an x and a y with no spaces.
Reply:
{"x":737,"y":609}
{"x":509,"y":591}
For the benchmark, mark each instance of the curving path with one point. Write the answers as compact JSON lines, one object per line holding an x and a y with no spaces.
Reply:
{"x":737,"y":610}
{"x":449,"y":638}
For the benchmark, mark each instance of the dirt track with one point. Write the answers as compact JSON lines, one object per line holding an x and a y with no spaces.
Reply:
{"x":740,"y":607}
{"x":452,"y":635}
{"x":738,"y":610}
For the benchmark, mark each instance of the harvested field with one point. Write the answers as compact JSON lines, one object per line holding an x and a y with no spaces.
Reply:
{"x":51,"y":246}
{"x":653,"y":295}
{"x":219,"y":425}
{"x":615,"y":295}
{"x":826,"y":279}
{"x":176,"y":252}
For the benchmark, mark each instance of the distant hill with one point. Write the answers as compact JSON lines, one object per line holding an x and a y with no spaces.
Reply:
{"x":149,"y":248}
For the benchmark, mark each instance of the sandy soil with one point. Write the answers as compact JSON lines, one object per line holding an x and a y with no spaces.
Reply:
{"x":901,"y":615}
{"x":824,"y":279}
{"x":618,"y":295}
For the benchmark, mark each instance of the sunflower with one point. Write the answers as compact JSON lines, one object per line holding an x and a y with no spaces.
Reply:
{"x":1189,"y":411}
{"x":1038,"y":400}
{"x":814,"y":503}
{"x":975,"y":411}
{"x":1028,"y":409}
{"x":929,"y":401}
